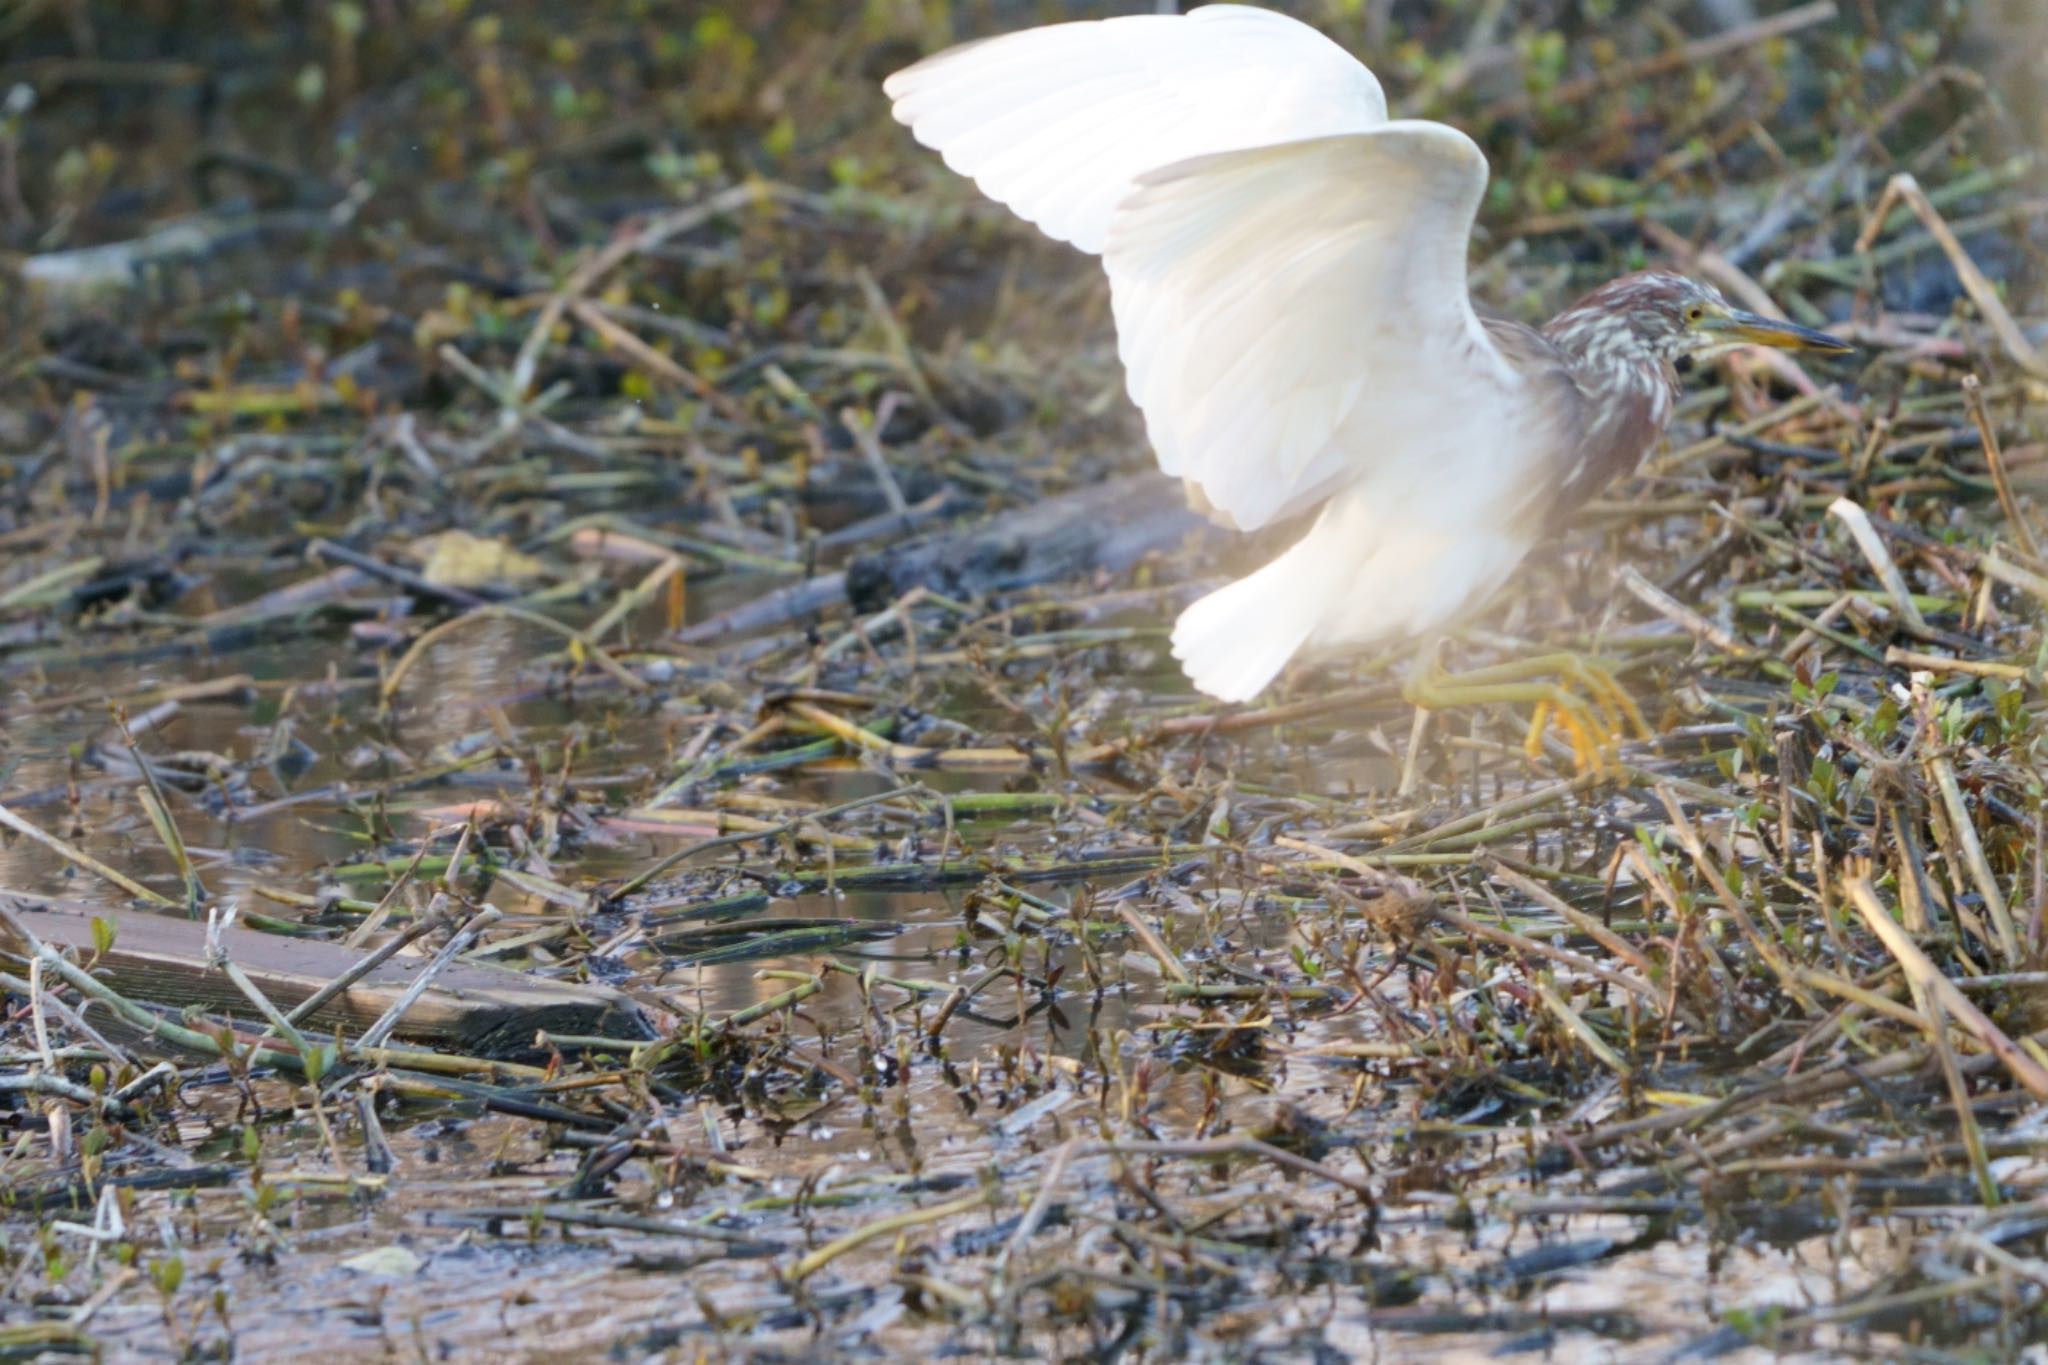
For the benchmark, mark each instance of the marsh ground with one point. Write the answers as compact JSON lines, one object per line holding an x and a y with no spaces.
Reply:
{"x":405,"y":411}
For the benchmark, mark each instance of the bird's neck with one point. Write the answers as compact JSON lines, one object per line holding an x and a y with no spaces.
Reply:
{"x":1630,"y":388}
{"x":1629,"y":391}
{"x":1611,"y":361}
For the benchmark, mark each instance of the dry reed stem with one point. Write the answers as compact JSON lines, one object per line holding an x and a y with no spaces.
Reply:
{"x":1880,"y":559}
{"x":80,"y":858}
{"x":500,"y":611}
{"x":1682,"y":616}
{"x":1981,"y":291}
{"x":1965,"y":827}
{"x":1994,"y":459}
{"x":1154,"y":944}
{"x":1922,"y":972}
{"x":608,"y":258}
{"x":815,"y":1261}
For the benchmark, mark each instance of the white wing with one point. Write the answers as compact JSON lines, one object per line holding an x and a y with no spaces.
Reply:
{"x":1058,"y":122}
{"x":1290,"y":317}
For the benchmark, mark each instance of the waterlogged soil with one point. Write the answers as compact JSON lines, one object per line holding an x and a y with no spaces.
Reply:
{"x":1004,"y":999}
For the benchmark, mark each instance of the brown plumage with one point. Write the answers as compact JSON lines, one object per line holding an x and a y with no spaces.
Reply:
{"x":1610,"y":365}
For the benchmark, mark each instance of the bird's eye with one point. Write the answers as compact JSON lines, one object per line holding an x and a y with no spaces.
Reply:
{"x":1695,"y":313}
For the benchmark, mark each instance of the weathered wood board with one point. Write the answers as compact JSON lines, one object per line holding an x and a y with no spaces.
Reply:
{"x":1107,"y":526}
{"x":471,"y":1007}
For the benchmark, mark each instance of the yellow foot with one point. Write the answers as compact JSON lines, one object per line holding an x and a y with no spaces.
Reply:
{"x":1577,"y":695}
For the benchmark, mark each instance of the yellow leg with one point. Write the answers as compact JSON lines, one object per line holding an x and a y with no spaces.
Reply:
{"x":1577,"y":695}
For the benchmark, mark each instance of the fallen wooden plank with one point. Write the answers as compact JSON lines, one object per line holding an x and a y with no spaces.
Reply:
{"x":795,"y":602}
{"x":1105,"y":526}
{"x":471,"y":1007}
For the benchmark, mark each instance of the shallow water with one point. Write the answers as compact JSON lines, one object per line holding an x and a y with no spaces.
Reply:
{"x":1270,"y":1264}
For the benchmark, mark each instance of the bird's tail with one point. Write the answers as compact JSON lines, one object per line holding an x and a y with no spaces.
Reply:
{"x":1358,"y":578}
{"x":1238,"y":638}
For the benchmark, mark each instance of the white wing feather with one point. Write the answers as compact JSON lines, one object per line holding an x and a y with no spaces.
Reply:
{"x":1287,"y":270}
{"x":1057,"y":123}
{"x":1289,"y":315}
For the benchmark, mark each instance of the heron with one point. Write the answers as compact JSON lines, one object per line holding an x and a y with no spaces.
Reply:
{"x":1287,"y":277}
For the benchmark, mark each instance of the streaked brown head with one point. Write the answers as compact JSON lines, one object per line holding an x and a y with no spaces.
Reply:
{"x":1669,"y":317}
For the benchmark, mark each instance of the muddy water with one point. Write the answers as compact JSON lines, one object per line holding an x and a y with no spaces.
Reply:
{"x":439,"y":1260}
{"x":282,"y":1245}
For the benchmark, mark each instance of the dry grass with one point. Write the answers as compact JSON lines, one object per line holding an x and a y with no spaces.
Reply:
{"x":1010,"y":998}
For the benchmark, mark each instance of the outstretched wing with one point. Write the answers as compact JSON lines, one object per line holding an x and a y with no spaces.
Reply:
{"x":1057,"y":123}
{"x":1289,"y":317}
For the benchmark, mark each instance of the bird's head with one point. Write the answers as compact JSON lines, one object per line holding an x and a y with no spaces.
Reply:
{"x":1684,"y":321}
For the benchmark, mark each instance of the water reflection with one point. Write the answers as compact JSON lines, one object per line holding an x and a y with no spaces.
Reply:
{"x":484,"y":687}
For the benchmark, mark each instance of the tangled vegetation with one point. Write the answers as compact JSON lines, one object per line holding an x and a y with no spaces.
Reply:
{"x":589,"y":762}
